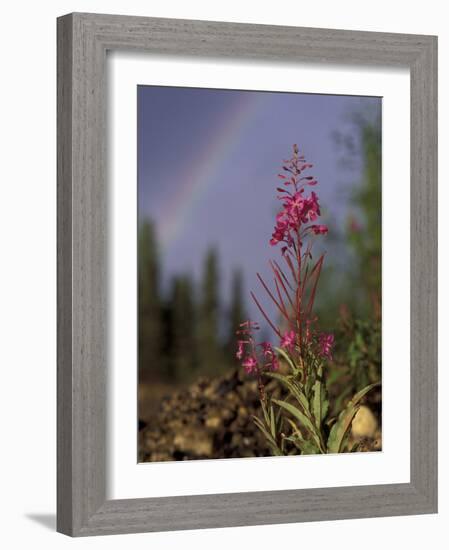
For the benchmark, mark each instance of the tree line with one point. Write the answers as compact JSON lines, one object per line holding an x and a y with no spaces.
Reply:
{"x":185,"y":331}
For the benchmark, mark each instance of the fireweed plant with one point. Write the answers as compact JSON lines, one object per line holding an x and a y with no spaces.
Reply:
{"x":299,"y":421}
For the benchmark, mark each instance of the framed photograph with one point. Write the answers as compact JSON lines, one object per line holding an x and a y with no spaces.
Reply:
{"x":247,"y":274}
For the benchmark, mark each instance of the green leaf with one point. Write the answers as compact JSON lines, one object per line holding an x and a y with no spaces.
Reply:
{"x":308,"y":386}
{"x":296,"y":430}
{"x":302,"y":399}
{"x":270,"y":419}
{"x":265,"y":413}
{"x":361,"y":394}
{"x":306,"y":447}
{"x":287,"y":358}
{"x":339,"y":430}
{"x":320,"y":403}
{"x":309,"y":448}
{"x":294,"y":388}
{"x":294,"y":411}
{"x":303,"y":419}
{"x":268,"y":437}
{"x":338,"y":402}
{"x":272,"y":422}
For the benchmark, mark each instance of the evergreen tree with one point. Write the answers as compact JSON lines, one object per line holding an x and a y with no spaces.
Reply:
{"x":208,"y":322}
{"x":354,"y":277}
{"x":183,"y":351}
{"x":366,"y":239}
{"x":149,"y":302}
{"x":236,"y":314}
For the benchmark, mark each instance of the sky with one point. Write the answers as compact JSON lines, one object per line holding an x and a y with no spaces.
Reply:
{"x":207,"y":172}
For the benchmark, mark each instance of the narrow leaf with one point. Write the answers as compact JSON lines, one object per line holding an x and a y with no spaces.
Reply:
{"x":303,"y":419}
{"x":309,"y":448}
{"x":340,"y":429}
{"x":294,"y":388}
{"x":272,"y":422}
{"x":285,"y":356}
{"x":320,"y":403}
{"x":268,"y":437}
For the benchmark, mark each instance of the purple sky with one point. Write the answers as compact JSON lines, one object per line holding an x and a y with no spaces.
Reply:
{"x":224,"y":148}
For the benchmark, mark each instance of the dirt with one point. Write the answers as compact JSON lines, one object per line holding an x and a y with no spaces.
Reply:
{"x":209,"y":419}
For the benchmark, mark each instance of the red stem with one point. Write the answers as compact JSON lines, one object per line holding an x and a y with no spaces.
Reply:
{"x":287,"y":282}
{"x":276,"y":330}
{"x":267,"y":290}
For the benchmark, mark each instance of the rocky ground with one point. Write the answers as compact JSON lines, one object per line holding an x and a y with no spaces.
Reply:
{"x":213,"y":419}
{"x":209,"y":419}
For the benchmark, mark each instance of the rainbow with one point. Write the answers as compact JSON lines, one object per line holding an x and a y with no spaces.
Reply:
{"x":200,"y":176}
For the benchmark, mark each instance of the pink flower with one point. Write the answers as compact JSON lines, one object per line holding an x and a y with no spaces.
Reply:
{"x":279,"y":230}
{"x":247,"y":327}
{"x":326,"y":343}
{"x":296,"y":201}
{"x":319,"y":229}
{"x":250,"y":324}
{"x":240,"y":348}
{"x":267,"y":349}
{"x":288,"y":340}
{"x":271,"y":360}
{"x":277,"y":237}
{"x":310,"y":180}
{"x":297,"y":208}
{"x":250,"y":364}
{"x":311,"y":209}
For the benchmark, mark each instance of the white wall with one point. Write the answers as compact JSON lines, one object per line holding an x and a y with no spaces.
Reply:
{"x":27,"y":272}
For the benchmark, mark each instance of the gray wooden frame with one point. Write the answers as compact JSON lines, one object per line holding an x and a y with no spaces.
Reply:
{"x":83,"y":40}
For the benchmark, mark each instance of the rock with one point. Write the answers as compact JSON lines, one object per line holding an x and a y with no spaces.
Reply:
{"x":213,"y":422}
{"x":364,"y":423}
{"x":193,"y":441}
{"x":161,"y":457}
{"x":237,"y":440}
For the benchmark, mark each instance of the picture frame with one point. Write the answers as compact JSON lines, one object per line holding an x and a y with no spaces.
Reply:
{"x":83,"y":40}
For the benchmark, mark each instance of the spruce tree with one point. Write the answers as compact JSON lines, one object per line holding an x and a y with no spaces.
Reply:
{"x":183,"y":329}
{"x":208,"y":323}
{"x":149,"y":302}
{"x":237,"y":314}
{"x":367,"y":239}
